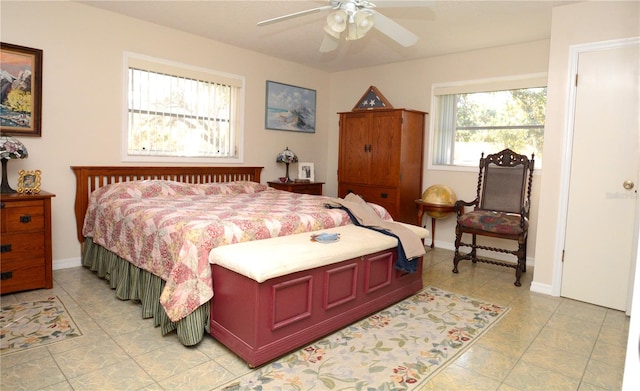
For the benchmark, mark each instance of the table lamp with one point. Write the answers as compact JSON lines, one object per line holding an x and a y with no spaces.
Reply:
{"x":287,"y":157}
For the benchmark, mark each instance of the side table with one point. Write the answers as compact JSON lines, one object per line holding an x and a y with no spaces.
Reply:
{"x":445,"y":210}
{"x":25,"y":238}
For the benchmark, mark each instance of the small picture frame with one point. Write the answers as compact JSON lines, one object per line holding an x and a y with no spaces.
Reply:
{"x":29,"y":182}
{"x":305,"y":171}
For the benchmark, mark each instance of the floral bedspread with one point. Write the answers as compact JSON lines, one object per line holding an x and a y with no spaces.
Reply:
{"x":168,"y":228}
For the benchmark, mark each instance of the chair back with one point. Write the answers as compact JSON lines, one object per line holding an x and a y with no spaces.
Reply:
{"x":504,"y":182}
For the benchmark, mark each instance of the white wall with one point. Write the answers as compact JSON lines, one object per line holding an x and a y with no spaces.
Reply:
{"x":82,"y":96}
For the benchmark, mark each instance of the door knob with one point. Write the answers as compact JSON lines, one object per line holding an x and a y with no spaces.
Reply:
{"x":628,"y":184}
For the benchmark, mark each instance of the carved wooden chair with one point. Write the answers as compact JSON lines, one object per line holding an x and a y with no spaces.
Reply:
{"x":500,"y":210}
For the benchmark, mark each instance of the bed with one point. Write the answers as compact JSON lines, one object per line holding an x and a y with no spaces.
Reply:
{"x":255,"y":282}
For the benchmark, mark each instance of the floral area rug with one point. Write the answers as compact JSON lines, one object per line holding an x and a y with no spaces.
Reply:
{"x":399,"y":348}
{"x":33,"y":324}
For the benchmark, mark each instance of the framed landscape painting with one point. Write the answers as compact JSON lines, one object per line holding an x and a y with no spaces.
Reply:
{"x":20,"y":90}
{"x":290,"y":108}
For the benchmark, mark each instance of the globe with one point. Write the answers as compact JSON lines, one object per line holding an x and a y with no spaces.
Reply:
{"x":439,"y":195}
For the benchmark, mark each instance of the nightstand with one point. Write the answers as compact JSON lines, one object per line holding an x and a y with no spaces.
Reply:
{"x":25,"y":244}
{"x":314,"y":188}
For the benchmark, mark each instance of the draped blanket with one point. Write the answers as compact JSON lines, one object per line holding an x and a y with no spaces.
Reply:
{"x":168,"y":228}
{"x":410,"y":245}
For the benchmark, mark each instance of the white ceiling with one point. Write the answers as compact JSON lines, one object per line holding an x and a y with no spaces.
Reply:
{"x":443,"y":27}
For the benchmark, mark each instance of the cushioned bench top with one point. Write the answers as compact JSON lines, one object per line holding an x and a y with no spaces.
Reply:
{"x":261,"y":260}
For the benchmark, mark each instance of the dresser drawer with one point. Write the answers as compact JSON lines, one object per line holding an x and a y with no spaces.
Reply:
{"x":22,"y":216}
{"x":22,"y":275}
{"x":15,"y":246}
{"x":375,"y":194}
{"x":313,"y":189}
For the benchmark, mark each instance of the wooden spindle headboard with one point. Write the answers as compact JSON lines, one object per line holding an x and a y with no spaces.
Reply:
{"x":90,"y":178}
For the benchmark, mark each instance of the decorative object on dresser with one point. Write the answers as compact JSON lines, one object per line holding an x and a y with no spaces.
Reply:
{"x":305,"y":171}
{"x":306,"y":187}
{"x":380,"y":157}
{"x":22,"y":96}
{"x":25,"y":251}
{"x":287,"y":157}
{"x":10,"y":148}
{"x":29,"y":181}
{"x":372,"y":99}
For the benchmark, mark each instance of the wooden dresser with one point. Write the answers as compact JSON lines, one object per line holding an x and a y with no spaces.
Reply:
{"x":25,"y":242}
{"x":380,"y":158}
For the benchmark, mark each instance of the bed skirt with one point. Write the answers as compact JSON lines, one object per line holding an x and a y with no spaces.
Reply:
{"x":132,"y":283}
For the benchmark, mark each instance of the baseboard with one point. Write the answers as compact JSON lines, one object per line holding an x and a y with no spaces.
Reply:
{"x":545,"y":289}
{"x":66,"y":263}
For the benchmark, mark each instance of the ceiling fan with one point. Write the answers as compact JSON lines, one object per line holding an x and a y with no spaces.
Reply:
{"x":352,"y":19}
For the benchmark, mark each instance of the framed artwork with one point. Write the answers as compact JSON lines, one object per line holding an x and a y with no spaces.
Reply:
{"x":305,"y":171}
{"x":28,"y":182}
{"x":290,"y":108}
{"x":21,"y":96}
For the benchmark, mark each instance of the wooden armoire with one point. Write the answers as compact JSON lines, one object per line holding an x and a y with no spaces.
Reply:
{"x":380,"y":158}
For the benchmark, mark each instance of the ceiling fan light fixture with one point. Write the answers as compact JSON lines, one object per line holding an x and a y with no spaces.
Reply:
{"x":337,"y":21}
{"x":361,"y":22}
{"x":331,"y":32}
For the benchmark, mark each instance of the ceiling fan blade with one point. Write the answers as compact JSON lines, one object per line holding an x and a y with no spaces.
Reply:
{"x":403,"y":4}
{"x":393,"y":30}
{"x":329,"y":44}
{"x":295,"y":15}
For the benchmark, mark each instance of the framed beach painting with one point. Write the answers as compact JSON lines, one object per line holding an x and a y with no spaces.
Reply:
{"x":21,"y":92}
{"x":290,"y":108}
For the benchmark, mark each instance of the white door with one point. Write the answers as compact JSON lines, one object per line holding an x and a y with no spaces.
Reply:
{"x":600,"y":230}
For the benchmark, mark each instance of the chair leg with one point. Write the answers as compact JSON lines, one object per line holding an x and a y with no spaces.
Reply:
{"x":456,"y":255}
{"x":474,"y":256}
{"x":524,"y":265}
{"x":522,"y":260}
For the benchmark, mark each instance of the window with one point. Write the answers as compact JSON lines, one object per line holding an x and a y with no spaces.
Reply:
{"x":176,"y":112}
{"x":470,"y":122}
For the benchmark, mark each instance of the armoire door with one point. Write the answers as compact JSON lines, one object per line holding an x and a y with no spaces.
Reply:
{"x":354,"y":148}
{"x":604,"y":179}
{"x":386,"y":135}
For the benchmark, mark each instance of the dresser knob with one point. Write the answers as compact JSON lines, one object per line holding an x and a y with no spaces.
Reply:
{"x":5,"y":248}
{"x":25,"y":219}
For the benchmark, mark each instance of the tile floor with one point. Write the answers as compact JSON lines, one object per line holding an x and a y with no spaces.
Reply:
{"x":544,"y":343}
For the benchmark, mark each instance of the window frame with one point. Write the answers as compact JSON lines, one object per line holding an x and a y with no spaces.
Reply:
{"x":475,"y":86}
{"x":188,"y":70}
